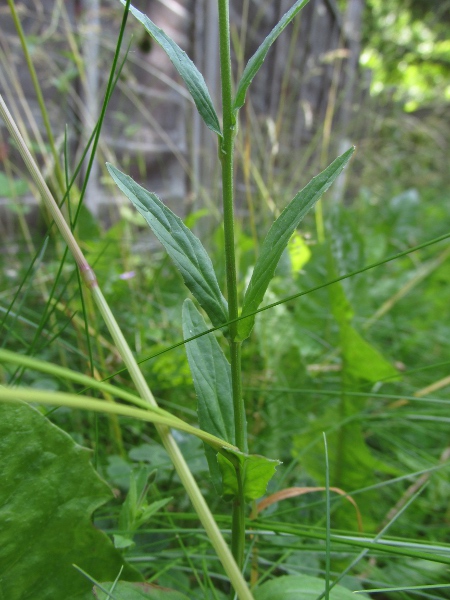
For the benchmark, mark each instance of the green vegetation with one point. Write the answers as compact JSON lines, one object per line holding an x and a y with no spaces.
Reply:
{"x":297,"y":381}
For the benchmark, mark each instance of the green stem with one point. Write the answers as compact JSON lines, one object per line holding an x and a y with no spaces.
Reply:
{"x":226,"y":153}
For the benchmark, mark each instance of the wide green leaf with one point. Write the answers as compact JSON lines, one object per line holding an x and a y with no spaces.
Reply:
{"x":299,"y":587}
{"x":211,"y":373}
{"x":184,"y":248}
{"x":255,"y":62}
{"x":278,"y":238}
{"x":256,"y":470}
{"x":48,"y":493}
{"x":137,"y":591}
{"x":188,"y":71}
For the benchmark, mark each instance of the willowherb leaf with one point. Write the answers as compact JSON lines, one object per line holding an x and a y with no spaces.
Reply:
{"x":211,"y":373}
{"x":257,"y":471}
{"x":278,"y":237}
{"x":188,"y":71}
{"x":255,"y":62}
{"x":184,"y":248}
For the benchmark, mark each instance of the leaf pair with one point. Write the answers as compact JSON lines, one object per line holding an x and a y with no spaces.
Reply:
{"x":191,"y":258}
{"x":194,"y":79}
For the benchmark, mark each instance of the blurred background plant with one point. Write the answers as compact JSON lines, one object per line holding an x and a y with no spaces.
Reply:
{"x":366,"y":360}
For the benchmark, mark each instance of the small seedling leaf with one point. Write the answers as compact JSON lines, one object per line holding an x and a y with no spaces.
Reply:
{"x":278,"y":238}
{"x":184,"y":248}
{"x":255,"y":62}
{"x":292,"y":587}
{"x":188,"y":71}
{"x":256,"y":470}
{"x":211,"y":373}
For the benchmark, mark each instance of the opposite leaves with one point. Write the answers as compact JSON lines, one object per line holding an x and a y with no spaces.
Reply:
{"x":184,"y":248}
{"x":188,"y":71}
{"x":278,"y":238}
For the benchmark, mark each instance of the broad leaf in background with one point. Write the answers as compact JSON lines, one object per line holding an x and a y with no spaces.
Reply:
{"x":255,"y":62}
{"x":188,"y":71}
{"x":48,"y":493}
{"x":352,"y":462}
{"x":279,"y":236}
{"x":257,"y":472}
{"x":299,"y":587}
{"x":184,"y":248}
{"x":211,"y":373}
{"x":136,"y":591}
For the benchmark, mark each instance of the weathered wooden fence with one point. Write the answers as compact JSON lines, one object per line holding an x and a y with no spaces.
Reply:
{"x":304,"y":91}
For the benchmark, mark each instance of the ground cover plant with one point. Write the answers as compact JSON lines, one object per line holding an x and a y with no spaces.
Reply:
{"x":365,"y":445}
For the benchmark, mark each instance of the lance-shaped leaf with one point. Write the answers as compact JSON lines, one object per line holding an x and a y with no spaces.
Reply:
{"x":211,"y":373}
{"x":184,"y":248}
{"x":186,"y":68}
{"x":278,"y":237}
{"x":255,"y":62}
{"x":256,"y":473}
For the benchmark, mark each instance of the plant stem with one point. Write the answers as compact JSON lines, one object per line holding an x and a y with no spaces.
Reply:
{"x":226,"y":153}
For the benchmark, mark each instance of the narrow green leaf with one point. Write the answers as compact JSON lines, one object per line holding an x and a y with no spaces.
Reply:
{"x":186,"y":68}
{"x":257,"y":470}
{"x":255,"y":62}
{"x":184,"y":248}
{"x":293,"y":587}
{"x":48,"y":493}
{"x":211,"y":373}
{"x":278,"y":238}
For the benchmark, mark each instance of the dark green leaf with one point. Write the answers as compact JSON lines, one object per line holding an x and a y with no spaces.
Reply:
{"x":255,"y":62}
{"x":299,"y":587}
{"x":257,"y":472}
{"x":186,"y":68}
{"x":184,"y":248}
{"x":211,"y":373}
{"x":278,"y":238}
{"x":137,"y":591}
{"x":48,"y":493}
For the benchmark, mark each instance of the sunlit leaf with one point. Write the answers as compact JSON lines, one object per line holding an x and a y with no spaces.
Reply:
{"x":211,"y":373}
{"x":184,"y":248}
{"x":48,"y":493}
{"x":278,"y":238}
{"x":255,"y":62}
{"x":257,"y":471}
{"x":299,"y":253}
{"x":188,"y":71}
